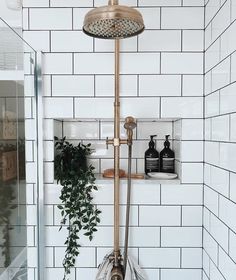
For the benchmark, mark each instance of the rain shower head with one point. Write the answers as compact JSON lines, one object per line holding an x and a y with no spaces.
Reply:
{"x":113,"y":22}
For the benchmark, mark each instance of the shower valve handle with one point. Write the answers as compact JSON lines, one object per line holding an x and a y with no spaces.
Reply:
{"x":109,"y":142}
{"x":115,"y":142}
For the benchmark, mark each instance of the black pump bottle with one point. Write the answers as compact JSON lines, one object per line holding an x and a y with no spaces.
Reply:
{"x":167,"y":158}
{"x":151,"y":157}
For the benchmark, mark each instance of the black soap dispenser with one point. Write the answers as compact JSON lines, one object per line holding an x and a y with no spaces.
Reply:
{"x":151,"y":157}
{"x":167,"y":158}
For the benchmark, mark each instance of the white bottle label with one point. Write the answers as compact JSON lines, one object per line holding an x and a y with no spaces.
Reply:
{"x":168,"y":163}
{"x":152,"y":163}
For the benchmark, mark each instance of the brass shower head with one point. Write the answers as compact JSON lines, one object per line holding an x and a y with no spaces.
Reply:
{"x":113,"y":22}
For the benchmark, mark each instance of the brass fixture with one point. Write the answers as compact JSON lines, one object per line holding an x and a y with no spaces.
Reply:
{"x":117,"y":255}
{"x":116,"y":22}
{"x":117,"y":273}
{"x":113,"y":22}
{"x":130,"y":125}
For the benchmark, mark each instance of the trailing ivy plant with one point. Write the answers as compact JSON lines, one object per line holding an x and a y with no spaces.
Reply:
{"x":77,"y":208}
{"x":6,"y":207}
{"x":7,"y":204}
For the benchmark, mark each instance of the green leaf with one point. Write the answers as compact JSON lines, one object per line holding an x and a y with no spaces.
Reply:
{"x":78,"y":183}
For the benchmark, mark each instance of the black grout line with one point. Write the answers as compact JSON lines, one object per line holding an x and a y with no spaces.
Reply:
{"x":138,"y":85}
{"x":218,"y":91}
{"x":127,"y":52}
{"x":28,"y":25}
{"x":210,"y":260}
{"x":181,"y":215}
{"x":160,"y":18}
{"x":181,"y":257}
{"x":50,"y":41}
{"x":73,"y":63}
{"x":72,"y":19}
{"x":51,"y":84}
{"x":228,"y":242}
{"x":219,"y":167}
{"x":218,"y":11}
{"x":231,"y":24}
{"x":111,"y":75}
{"x":146,"y":29}
{"x":220,"y":62}
{"x":212,"y":213}
{"x":230,"y":70}
{"x":91,"y":6}
{"x":157,"y":97}
{"x":218,"y":247}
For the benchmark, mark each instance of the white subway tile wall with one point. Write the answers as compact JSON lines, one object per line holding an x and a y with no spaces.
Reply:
{"x":219,"y":169}
{"x":30,"y":196}
{"x":162,"y":77}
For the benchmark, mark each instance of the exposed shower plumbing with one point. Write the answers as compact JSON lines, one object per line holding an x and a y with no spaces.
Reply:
{"x":130,"y":125}
{"x":116,"y":22}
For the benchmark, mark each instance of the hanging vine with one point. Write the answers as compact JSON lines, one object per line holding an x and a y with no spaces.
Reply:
{"x":7,"y":204}
{"x":6,"y":198}
{"x":77,"y":208}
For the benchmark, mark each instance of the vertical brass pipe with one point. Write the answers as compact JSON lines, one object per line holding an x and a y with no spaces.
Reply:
{"x":117,"y":155}
{"x":113,"y":2}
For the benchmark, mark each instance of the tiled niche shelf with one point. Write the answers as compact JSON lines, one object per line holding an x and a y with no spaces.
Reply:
{"x":95,"y":131}
{"x":101,"y":180}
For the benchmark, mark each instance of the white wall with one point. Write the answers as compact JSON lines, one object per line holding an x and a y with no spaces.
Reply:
{"x":13,"y":18}
{"x":161,"y":69}
{"x":220,"y":149}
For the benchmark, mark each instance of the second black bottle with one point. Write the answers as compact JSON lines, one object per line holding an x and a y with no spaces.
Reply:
{"x":151,"y":157}
{"x":167,"y":158}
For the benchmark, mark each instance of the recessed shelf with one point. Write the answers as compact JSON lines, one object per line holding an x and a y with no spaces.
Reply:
{"x":101,"y":180}
{"x":123,"y":181}
{"x":111,"y":119}
{"x":95,"y":131}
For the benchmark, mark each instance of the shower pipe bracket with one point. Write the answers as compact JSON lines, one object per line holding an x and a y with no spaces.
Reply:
{"x":112,"y":257}
{"x":116,"y":142}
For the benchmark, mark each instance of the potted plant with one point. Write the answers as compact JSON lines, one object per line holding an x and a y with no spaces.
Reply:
{"x":77,"y":209}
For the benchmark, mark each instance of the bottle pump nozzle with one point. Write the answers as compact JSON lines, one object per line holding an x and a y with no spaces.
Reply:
{"x":152,"y":136}
{"x":151,"y":143}
{"x":167,"y":143}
